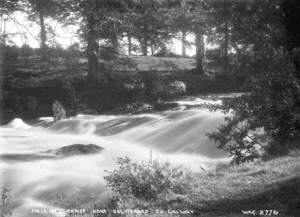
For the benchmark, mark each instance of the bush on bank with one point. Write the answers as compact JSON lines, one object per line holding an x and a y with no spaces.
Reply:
{"x":149,"y":185}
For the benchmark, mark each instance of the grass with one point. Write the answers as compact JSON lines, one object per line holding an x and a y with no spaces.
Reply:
{"x":151,"y":63}
{"x":228,"y":190}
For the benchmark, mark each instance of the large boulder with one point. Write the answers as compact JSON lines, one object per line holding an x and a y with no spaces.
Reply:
{"x":164,"y":90}
{"x":78,"y":149}
{"x":176,"y":88}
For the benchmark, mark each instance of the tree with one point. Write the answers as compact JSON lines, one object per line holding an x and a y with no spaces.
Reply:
{"x":146,"y":22}
{"x":38,"y":10}
{"x":189,"y":16}
{"x":100,"y":20}
{"x":6,"y":8}
{"x":9,"y":6}
{"x":199,"y":51}
{"x":90,"y":8}
{"x":272,"y":103}
{"x":181,"y":17}
{"x":292,"y":32}
{"x":199,"y":25}
{"x":222,"y":14}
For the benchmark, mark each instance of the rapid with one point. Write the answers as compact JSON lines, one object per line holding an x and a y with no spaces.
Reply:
{"x":38,"y":180}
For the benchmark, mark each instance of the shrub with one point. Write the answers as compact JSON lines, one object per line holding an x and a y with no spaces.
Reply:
{"x":149,"y":186}
{"x":5,"y":206}
{"x":153,"y":85}
{"x":134,"y":89}
{"x":9,"y":52}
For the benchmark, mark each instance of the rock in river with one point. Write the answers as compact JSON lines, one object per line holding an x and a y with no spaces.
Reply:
{"x":78,"y":149}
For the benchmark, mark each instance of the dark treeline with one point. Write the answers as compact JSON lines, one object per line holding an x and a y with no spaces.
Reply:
{"x":236,"y":28}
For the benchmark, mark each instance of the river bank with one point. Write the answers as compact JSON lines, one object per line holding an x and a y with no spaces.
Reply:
{"x":30,"y":86}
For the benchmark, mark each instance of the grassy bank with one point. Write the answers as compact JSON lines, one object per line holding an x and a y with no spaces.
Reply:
{"x":266,"y":188}
{"x":270,"y":185}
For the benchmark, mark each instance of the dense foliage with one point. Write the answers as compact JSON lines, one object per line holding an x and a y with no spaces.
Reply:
{"x":265,"y":120}
{"x":149,"y":185}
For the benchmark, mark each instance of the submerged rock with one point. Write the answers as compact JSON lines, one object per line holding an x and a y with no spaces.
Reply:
{"x":26,"y":157}
{"x":78,"y":149}
{"x":162,"y":106}
{"x":136,"y":108}
{"x":65,"y":151}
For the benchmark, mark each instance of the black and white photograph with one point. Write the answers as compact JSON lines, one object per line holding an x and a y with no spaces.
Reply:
{"x":149,"y":108}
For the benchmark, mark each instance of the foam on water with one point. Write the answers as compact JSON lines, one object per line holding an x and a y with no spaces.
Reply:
{"x":175,"y":136}
{"x":18,"y":123}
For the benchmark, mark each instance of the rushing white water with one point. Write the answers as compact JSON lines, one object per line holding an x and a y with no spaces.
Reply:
{"x":38,"y":181}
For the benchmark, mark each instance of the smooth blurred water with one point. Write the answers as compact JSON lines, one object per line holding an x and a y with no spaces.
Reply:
{"x":37,"y":181}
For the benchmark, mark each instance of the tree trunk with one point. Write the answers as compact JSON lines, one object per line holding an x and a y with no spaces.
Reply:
{"x":145,"y":50}
{"x":183,"y":44}
{"x":144,"y":45}
{"x":42,"y":33}
{"x":152,"y":50}
{"x":92,"y":50}
{"x":115,"y":43}
{"x":129,"y":45}
{"x":226,"y":39}
{"x":199,"y":52}
{"x":3,"y":35}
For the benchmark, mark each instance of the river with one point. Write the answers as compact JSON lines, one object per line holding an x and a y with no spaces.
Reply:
{"x":38,"y":181}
